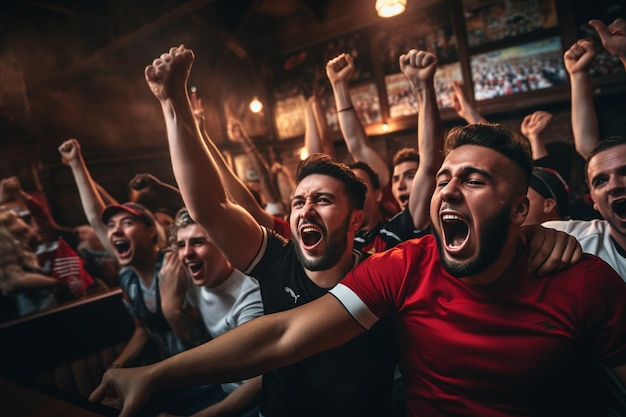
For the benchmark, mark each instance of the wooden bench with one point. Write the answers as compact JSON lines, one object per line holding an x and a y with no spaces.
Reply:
{"x":68,"y":347}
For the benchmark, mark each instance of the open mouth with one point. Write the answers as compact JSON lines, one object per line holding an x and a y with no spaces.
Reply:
{"x":194,"y":267}
{"x":122,"y":247}
{"x":311,"y":236}
{"x":619,"y":208}
{"x":404,"y":200}
{"x":455,"y":231}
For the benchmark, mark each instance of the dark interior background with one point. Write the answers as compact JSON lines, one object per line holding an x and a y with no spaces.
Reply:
{"x":72,"y":68}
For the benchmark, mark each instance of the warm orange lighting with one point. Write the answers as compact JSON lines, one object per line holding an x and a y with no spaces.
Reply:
{"x":256,"y":105}
{"x":304,"y":153}
{"x":385,"y":127}
{"x":390,"y":8}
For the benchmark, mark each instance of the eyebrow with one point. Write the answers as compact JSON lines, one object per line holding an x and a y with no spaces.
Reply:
{"x":465,"y":171}
{"x":317,"y":195}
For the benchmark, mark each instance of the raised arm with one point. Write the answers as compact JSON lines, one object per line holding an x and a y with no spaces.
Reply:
{"x":313,"y":140}
{"x":236,"y":188}
{"x":613,"y":37}
{"x":144,"y":183}
{"x":258,"y":161}
{"x":463,"y":107}
{"x":532,"y":127}
{"x":339,"y":70}
{"x":577,"y":60}
{"x":256,"y":347}
{"x":420,"y":67}
{"x":89,"y":196}
{"x":231,"y":227}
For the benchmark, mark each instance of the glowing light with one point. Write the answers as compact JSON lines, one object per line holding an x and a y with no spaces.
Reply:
{"x":385,"y":127}
{"x":390,"y":8}
{"x":256,"y":105}
{"x":303,"y":153}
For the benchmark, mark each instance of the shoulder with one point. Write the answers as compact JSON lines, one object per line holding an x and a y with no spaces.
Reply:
{"x":579,"y":227}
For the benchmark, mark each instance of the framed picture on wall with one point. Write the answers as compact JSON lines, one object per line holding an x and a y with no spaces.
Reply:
{"x":434,"y":33}
{"x":444,"y":77}
{"x":494,"y":20}
{"x":366,"y":103}
{"x":289,"y":113}
{"x":400,"y":96}
{"x":518,"y":69}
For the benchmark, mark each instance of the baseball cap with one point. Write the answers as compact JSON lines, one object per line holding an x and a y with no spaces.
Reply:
{"x":135,"y":209}
{"x":549,"y":184}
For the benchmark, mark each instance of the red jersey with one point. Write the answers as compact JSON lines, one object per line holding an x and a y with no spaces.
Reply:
{"x":500,"y":349}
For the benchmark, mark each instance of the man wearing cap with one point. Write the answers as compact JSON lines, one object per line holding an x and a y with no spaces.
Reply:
{"x":129,"y":232}
{"x":549,"y":196}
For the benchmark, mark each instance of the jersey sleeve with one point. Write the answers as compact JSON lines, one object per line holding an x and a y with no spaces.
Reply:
{"x":378,"y":286}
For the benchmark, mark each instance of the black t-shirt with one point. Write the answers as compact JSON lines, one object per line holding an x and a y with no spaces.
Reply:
{"x":353,"y":379}
{"x":400,"y":228}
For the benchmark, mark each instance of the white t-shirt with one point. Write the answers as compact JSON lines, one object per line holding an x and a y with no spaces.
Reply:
{"x":234,"y":302}
{"x":595,"y":238}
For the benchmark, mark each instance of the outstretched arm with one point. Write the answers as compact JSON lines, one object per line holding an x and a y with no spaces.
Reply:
{"x":195,"y":169}
{"x":339,"y":70}
{"x":316,"y":140}
{"x":89,"y":196}
{"x":613,"y":37}
{"x":577,"y":60}
{"x":532,"y":126}
{"x":256,"y":347}
{"x":420,"y":67}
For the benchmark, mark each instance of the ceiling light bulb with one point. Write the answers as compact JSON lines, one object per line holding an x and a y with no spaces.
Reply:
{"x":256,"y":105}
{"x":390,"y":8}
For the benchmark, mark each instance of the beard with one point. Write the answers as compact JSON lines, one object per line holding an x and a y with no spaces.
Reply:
{"x":493,"y":234}
{"x":336,"y":245}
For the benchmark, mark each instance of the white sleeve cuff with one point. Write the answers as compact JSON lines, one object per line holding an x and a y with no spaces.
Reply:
{"x":357,"y":308}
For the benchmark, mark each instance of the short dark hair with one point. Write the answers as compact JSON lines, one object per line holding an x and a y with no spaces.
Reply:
{"x":325,"y":165}
{"x":605,"y":144}
{"x":513,"y":145}
{"x":406,"y":155}
{"x":373,"y":176}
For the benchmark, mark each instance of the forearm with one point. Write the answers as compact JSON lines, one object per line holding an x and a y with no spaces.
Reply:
{"x":584,"y":118}
{"x":90,"y":200}
{"x":106,"y":198}
{"x":237,"y":189}
{"x":202,"y":188}
{"x":312,"y":139}
{"x":265,"y":178}
{"x":260,"y":345}
{"x":430,"y":148}
{"x":17,"y":280}
{"x":537,"y":147}
{"x":242,"y":399}
{"x":133,"y":348}
{"x":354,"y":135}
{"x":319,"y":119}
{"x":187,"y":324}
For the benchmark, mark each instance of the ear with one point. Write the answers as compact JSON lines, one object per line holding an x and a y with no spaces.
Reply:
{"x":379,"y":195}
{"x":549,"y":204}
{"x":519,"y":210}
{"x":356,"y":219}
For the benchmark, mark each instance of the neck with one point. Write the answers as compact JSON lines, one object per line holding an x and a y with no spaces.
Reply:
{"x":499,"y":266}
{"x":145,"y":265}
{"x":330,"y":277}
{"x":371,"y":222}
{"x":618,"y":238}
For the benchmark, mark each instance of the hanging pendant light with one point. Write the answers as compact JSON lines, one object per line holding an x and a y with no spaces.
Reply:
{"x":390,"y":8}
